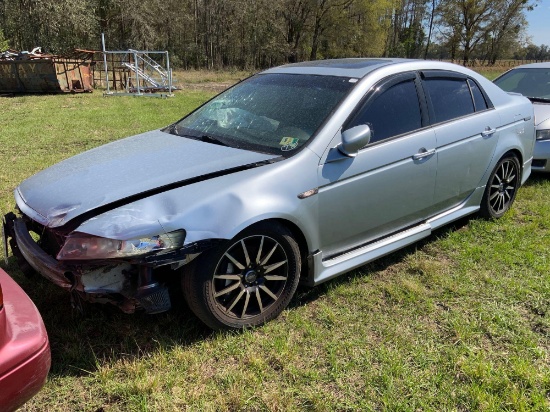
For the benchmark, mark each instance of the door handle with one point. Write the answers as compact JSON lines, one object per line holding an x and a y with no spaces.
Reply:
{"x":488,"y":132}
{"x":423,"y":153}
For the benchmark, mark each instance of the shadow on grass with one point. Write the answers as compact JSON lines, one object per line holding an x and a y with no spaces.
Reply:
{"x":305,"y":295}
{"x":537,"y":179}
{"x":81,"y":342}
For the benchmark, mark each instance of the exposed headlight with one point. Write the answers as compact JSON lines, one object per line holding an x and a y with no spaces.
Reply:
{"x":81,"y":246}
{"x":543,"y":134}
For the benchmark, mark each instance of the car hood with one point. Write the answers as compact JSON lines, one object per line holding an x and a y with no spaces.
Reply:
{"x":542,"y":112}
{"x":140,"y":164}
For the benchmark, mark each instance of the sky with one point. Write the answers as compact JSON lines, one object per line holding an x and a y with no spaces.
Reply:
{"x":539,"y":23}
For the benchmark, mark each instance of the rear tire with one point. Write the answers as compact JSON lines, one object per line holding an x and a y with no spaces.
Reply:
{"x":245,"y":281}
{"x":501,"y":188}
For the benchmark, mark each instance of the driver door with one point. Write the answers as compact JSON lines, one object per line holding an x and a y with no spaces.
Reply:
{"x":390,"y":184}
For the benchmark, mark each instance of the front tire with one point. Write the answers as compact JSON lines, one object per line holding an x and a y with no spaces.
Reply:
{"x":501,"y":188}
{"x":246,"y":281}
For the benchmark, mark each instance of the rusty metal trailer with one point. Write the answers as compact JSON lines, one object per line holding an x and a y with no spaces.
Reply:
{"x":41,"y":73}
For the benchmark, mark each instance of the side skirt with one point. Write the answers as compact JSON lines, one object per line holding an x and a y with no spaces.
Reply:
{"x":324,"y":270}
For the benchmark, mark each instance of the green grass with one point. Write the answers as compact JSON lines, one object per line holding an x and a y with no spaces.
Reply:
{"x":491,"y":72}
{"x":457,"y":322}
{"x":38,"y":131}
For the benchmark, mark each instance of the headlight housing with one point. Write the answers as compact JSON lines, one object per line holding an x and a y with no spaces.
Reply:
{"x":543,"y":134}
{"x":81,"y":246}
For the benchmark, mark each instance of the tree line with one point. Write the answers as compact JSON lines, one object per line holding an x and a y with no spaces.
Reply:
{"x":253,"y":34}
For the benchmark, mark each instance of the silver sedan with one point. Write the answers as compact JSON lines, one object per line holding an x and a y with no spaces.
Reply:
{"x":533,"y":81}
{"x":298,"y":174}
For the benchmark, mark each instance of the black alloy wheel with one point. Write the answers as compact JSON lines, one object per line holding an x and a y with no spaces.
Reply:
{"x":501,"y":188}
{"x":246,"y":281}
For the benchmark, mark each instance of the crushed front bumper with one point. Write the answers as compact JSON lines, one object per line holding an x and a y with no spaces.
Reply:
{"x":120,"y":283}
{"x":128,"y":284}
{"x":27,"y":251}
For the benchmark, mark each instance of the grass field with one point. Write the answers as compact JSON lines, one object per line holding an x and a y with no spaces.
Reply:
{"x":457,"y":322}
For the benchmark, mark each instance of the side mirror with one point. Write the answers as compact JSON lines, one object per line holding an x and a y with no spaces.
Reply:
{"x":354,"y":139}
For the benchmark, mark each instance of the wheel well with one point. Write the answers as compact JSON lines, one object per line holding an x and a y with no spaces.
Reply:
{"x":517,"y":154}
{"x":300,"y":239}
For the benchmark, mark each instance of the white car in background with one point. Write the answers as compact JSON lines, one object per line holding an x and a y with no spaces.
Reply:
{"x":533,"y":81}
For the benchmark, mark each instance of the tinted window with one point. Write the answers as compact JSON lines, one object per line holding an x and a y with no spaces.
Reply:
{"x":450,"y":98}
{"x":479,"y":100}
{"x":394,"y":112}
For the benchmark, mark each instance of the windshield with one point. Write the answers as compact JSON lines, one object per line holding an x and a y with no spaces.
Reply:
{"x":529,"y":82}
{"x":270,"y":113}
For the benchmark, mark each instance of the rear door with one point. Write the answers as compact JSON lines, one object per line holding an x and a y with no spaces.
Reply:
{"x":466,"y":129}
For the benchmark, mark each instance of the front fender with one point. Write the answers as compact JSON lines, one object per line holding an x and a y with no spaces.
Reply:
{"x":220,"y":208}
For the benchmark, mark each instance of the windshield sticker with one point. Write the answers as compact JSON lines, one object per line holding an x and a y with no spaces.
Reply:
{"x":288,"y":143}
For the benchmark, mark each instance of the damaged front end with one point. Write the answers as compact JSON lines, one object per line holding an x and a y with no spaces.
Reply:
{"x":107,"y":235}
{"x":96,"y":269}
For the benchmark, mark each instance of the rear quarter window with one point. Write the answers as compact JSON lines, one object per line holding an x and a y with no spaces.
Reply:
{"x":479,"y":101}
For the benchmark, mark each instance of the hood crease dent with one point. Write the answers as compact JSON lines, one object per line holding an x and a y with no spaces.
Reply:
{"x":78,"y":188}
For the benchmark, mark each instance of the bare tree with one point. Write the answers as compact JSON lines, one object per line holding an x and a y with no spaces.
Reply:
{"x":474,"y":22}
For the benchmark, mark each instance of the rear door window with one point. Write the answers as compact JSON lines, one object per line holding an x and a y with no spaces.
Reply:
{"x":450,"y":98}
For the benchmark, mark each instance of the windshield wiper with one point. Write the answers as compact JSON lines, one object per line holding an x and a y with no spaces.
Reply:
{"x":212,"y":139}
{"x":172,"y":129}
{"x":539,"y":99}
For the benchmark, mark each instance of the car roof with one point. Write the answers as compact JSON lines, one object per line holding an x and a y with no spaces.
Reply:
{"x":352,"y":67}
{"x":543,"y":65}
{"x":361,"y":67}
